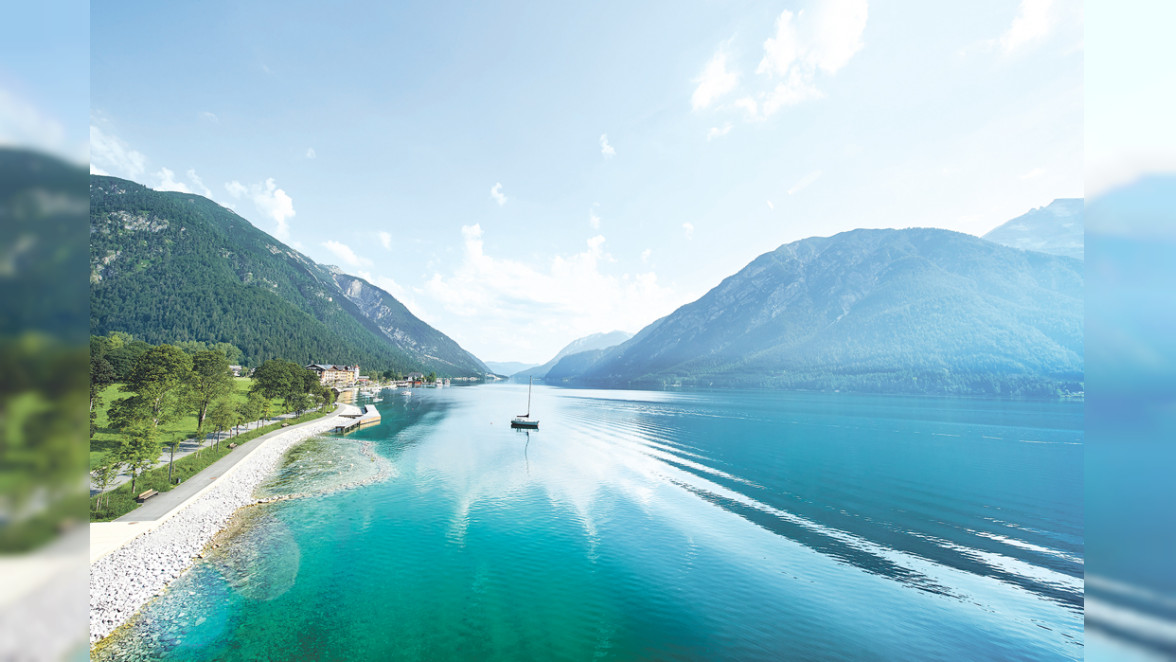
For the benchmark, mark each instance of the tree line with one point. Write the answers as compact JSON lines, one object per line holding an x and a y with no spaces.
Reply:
{"x":167,"y":383}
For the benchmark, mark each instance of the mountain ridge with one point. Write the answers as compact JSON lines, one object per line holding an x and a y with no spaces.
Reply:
{"x":167,"y":267}
{"x":1057,"y":228}
{"x":590,"y":342}
{"x":920,"y":310}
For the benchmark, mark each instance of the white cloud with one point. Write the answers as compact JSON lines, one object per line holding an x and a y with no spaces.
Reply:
{"x":781,"y":51}
{"x":771,"y":206}
{"x":385,"y":240}
{"x":689,"y":229}
{"x":211,"y":117}
{"x":23,"y":124}
{"x":310,"y":153}
{"x":571,"y":296}
{"x":236,"y":188}
{"x":807,"y":44}
{"x":345,"y":254}
{"x":797,"y":89}
{"x":168,"y":182}
{"x":718,"y":132}
{"x":200,"y":187}
{"x":714,"y":82}
{"x":95,"y":170}
{"x":1034,"y":21}
{"x":606,"y":148}
{"x":749,"y":105}
{"x":1033,"y":174}
{"x":271,"y":201}
{"x":110,"y":154}
{"x":496,"y":193}
{"x":593,"y":220}
{"x":804,"y":182}
{"x":276,"y":204}
{"x":645,"y":255}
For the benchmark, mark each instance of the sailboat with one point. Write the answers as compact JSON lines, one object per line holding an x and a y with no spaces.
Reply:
{"x":524,"y":420}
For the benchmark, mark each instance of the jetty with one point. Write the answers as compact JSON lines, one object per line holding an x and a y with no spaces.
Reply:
{"x":368,"y":416}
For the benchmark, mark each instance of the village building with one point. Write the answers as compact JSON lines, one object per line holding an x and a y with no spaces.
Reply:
{"x":335,"y":375}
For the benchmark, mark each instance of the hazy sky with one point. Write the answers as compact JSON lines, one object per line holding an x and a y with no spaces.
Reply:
{"x":521,"y":175}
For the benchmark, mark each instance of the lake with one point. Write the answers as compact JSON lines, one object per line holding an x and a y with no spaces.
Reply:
{"x":692,"y":525}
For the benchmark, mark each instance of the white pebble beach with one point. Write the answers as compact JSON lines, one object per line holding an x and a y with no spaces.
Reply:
{"x":126,"y":579}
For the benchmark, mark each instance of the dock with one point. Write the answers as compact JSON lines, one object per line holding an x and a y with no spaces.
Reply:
{"x":369,"y":416}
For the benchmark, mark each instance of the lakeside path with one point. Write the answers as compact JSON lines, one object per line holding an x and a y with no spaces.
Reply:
{"x":189,"y":446}
{"x":133,"y":558}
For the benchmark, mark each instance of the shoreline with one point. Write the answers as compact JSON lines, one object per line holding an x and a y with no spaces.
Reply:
{"x":126,"y":579}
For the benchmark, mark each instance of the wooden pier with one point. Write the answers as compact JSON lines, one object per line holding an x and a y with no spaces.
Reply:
{"x":369,"y":416}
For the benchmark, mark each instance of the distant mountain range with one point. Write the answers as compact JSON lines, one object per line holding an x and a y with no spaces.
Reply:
{"x":1057,"y":229}
{"x":507,"y":368}
{"x":903,"y":311}
{"x":168,"y":267}
{"x":587,"y":343}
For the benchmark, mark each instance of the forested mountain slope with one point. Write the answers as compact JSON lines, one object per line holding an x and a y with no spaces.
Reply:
{"x":169,"y":267}
{"x":907,"y":311}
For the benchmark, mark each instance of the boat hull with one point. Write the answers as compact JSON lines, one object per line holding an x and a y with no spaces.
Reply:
{"x":525,"y":423}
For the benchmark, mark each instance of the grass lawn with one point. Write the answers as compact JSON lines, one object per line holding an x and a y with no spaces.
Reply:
{"x":107,"y":439}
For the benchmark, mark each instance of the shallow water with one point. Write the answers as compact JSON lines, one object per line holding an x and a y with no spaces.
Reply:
{"x":639,"y":524}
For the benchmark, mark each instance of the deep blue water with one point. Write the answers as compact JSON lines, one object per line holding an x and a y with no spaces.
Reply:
{"x":654,"y":525}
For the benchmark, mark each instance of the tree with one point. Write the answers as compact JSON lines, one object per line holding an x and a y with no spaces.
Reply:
{"x":250,"y":409}
{"x":139,"y":449}
{"x":277,"y":378}
{"x":300,"y":403}
{"x":267,"y":405}
{"x":105,"y":473}
{"x":323,"y":395}
{"x":211,"y":380}
{"x":101,"y":376}
{"x":238,"y":419}
{"x":160,"y":381}
{"x":222,"y":415}
{"x":122,"y":355}
{"x":432,"y":377}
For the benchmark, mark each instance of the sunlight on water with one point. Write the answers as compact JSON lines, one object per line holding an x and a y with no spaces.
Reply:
{"x":639,"y":524}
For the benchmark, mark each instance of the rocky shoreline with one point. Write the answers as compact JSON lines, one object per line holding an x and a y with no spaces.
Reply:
{"x":126,"y":579}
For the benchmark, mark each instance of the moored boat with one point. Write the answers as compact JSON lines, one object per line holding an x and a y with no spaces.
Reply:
{"x":524,"y":420}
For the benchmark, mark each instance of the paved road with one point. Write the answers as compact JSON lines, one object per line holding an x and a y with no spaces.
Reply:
{"x":161,"y":504}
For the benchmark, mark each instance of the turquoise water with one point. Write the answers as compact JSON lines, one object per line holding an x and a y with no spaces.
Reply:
{"x":653,"y":525}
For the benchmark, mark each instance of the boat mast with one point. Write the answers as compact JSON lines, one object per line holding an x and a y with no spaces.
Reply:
{"x":529,"y":382}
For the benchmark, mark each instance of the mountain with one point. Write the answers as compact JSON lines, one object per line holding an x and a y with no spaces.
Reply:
{"x":1057,"y":229}
{"x":407,"y":332}
{"x":572,"y":366}
{"x":902,"y":311}
{"x":168,"y":267}
{"x":1130,"y":243}
{"x":594,"y":341}
{"x":42,"y":205}
{"x":509,"y":367}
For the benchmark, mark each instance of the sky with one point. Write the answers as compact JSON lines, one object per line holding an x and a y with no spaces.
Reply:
{"x":521,"y":176}
{"x":44,"y":81}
